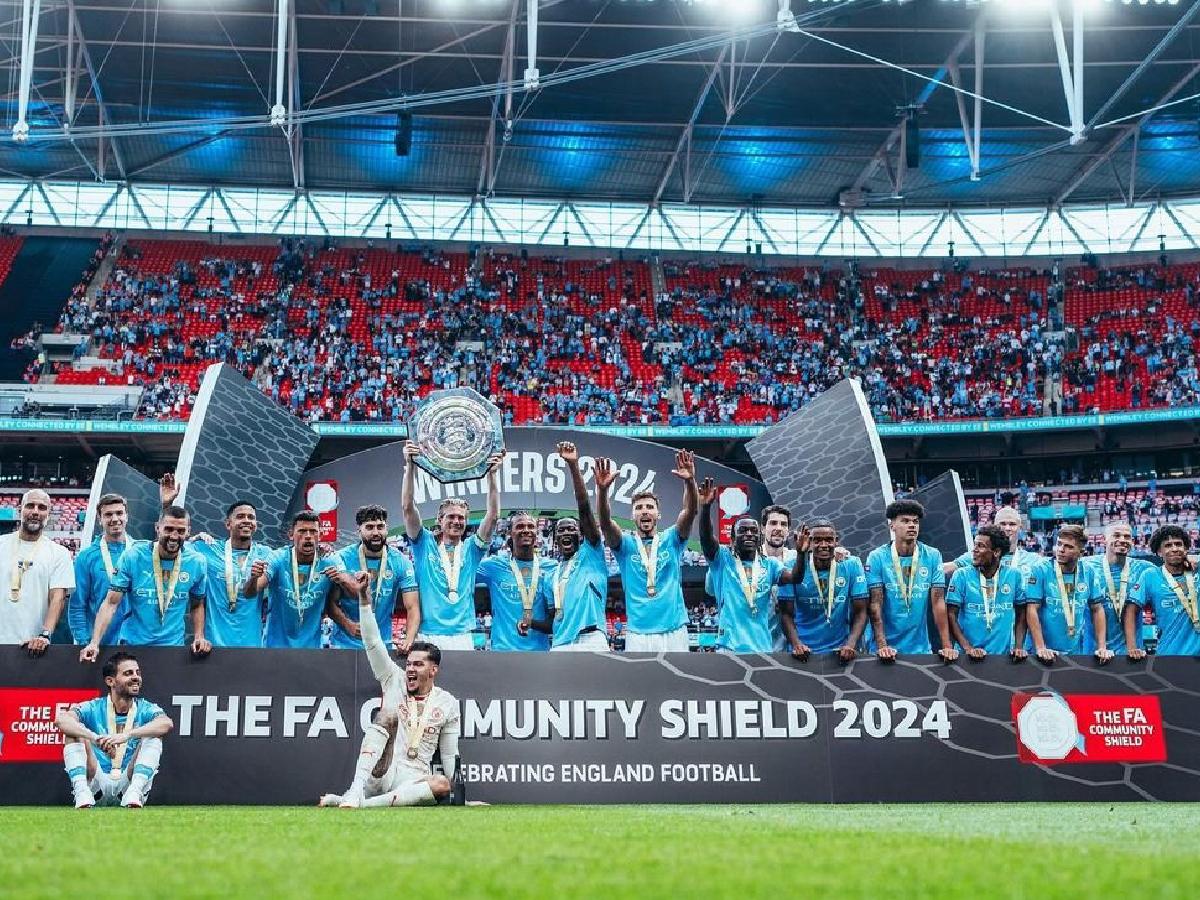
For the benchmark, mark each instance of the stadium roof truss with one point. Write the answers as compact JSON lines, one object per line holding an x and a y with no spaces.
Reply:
{"x":1042,"y":126}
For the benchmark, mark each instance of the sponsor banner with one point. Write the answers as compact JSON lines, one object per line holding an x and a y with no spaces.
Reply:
{"x":1088,"y":728}
{"x":27,"y":732}
{"x":284,"y":726}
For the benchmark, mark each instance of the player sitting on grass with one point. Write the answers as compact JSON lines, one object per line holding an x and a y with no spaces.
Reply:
{"x":114,"y":743}
{"x":415,"y":719}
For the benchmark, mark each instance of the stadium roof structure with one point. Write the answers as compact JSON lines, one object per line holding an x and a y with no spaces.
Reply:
{"x":646,"y":102}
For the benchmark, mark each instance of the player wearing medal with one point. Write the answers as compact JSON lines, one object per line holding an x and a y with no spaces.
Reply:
{"x":1171,"y":591}
{"x":446,"y":565}
{"x":826,"y":612}
{"x":983,"y":600}
{"x":579,"y":583}
{"x":649,"y":560}
{"x":1007,"y":520}
{"x":36,"y":574}
{"x":114,"y":743}
{"x":776,"y":524}
{"x":297,"y":581}
{"x":95,"y":566}
{"x":906,"y":583}
{"x":1060,"y":594}
{"x":742,"y":579}
{"x":232,"y":617}
{"x":1119,"y":574}
{"x":518,"y":584}
{"x":390,"y":576}
{"x":164,"y":580}
{"x":416,"y":718}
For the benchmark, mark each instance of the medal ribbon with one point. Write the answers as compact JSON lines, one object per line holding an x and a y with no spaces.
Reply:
{"x":165,"y":597}
{"x":561,"y":576}
{"x":988,"y":589}
{"x":527,"y":590}
{"x":118,"y":756}
{"x":451,"y":566}
{"x":750,"y":585}
{"x":383,"y":571}
{"x":906,"y":591}
{"x":17,"y":575}
{"x":825,"y":591}
{"x":232,"y":587}
{"x":414,"y":728}
{"x":650,"y":561}
{"x":1188,"y":600}
{"x":1068,"y":600}
{"x":109,"y":566}
{"x":1118,"y":598}
{"x":302,"y":592}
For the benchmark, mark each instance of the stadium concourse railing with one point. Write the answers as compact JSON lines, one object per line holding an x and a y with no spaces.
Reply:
{"x":886,"y":429}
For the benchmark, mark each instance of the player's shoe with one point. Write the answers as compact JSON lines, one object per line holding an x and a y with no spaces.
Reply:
{"x":133,"y":799}
{"x":330,"y":800}
{"x":84,"y":799}
{"x":352,"y":799}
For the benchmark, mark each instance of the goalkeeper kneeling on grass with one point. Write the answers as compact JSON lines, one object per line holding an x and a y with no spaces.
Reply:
{"x":416,"y":719}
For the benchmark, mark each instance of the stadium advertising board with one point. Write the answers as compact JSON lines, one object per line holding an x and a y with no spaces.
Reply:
{"x":281,"y":727}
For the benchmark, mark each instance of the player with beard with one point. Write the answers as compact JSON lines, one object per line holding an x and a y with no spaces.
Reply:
{"x":446,"y":565}
{"x":113,"y":744}
{"x":776,"y":524}
{"x":95,"y":566}
{"x":416,"y":719}
{"x":36,"y":574}
{"x":1171,"y":591}
{"x":1060,"y":595}
{"x":826,"y":612}
{"x":391,"y":576}
{"x":742,"y":579}
{"x":984,"y":600}
{"x":518,"y":584}
{"x":579,"y":583}
{"x":233,"y":618}
{"x":1120,"y":575}
{"x":165,"y":580}
{"x":650,"y":560}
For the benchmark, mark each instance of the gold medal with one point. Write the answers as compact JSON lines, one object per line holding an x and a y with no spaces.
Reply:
{"x":825,"y":591}
{"x":301,"y":590}
{"x":234,"y":581}
{"x":987,"y":587}
{"x":412,"y":753}
{"x":649,"y":562}
{"x":1186,"y":600}
{"x":749,"y":584}
{"x":451,"y":567}
{"x":416,"y":718}
{"x":109,"y":566}
{"x":527,"y":589}
{"x":1067,"y":599}
{"x":118,"y":756}
{"x":906,"y":591}
{"x":165,"y":596}
{"x":1117,"y":597}
{"x":380,"y":576}
{"x":20,"y":566}
{"x":561,"y":576}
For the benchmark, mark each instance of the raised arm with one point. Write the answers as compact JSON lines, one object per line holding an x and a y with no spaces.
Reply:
{"x":588,"y":527}
{"x":488,"y":526}
{"x":606,"y":474}
{"x":168,"y":489}
{"x":685,"y":468}
{"x":408,"y":505}
{"x":708,"y":540}
{"x":795,"y":575}
{"x":386,"y":672}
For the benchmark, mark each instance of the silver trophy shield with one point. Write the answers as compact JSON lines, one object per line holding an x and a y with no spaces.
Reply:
{"x":458,"y":430}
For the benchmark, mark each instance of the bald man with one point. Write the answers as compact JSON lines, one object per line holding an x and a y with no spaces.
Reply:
{"x":36,"y":575}
{"x":1009,"y":521}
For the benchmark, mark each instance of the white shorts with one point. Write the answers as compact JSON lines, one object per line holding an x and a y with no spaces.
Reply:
{"x":109,"y":787}
{"x":667,"y":642}
{"x":592,"y":642}
{"x":403,"y":771}
{"x":444,"y":642}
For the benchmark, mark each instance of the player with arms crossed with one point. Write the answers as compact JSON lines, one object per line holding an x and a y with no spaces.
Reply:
{"x":649,"y":560}
{"x":415,"y":719}
{"x":114,"y":743}
{"x":983,"y":600}
{"x":446,"y":565}
{"x":906,"y":580}
{"x":742,"y":579}
{"x":826,"y":612}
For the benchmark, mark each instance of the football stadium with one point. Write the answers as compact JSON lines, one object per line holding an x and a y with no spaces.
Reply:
{"x":737,"y":447}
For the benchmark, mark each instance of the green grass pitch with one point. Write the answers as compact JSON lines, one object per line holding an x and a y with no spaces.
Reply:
{"x":1001,"y":850}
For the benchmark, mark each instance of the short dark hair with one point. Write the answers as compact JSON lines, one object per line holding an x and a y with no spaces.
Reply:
{"x":994,"y":533}
{"x":1164,"y":532}
{"x":562,"y":519}
{"x":521,"y":514}
{"x":646,"y":495}
{"x":1073,"y":533}
{"x":898,"y":508}
{"x":110,"y":664}
{"x":235,"y":504}
{"x":173,"y":512}
{"x":372,"y":512}
{"x":777,"y":510}
{"x":109,"y":500}
{"x":434,"y":651}
{"x":820,"y":522}
{"x":305,"y":516}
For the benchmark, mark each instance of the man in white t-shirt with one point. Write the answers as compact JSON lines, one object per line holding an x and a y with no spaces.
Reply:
{"x":36,"y":574}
